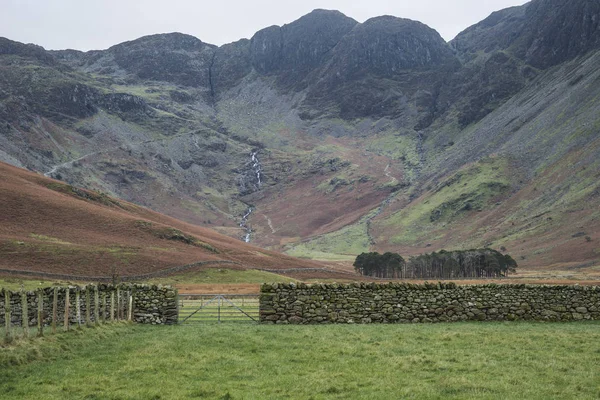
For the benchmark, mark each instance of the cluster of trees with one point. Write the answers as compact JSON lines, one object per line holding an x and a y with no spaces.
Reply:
{"x":387,"y":265}
{"x":477,"y":263}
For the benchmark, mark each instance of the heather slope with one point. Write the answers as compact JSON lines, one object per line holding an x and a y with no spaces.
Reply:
{"x":48,"y":226}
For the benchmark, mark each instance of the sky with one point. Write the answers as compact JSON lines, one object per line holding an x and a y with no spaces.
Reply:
{"x":99,"y":24}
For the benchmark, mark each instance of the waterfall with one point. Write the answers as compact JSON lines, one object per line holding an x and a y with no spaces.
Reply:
{"x":244,"y":225}
{"x":256,"y":167}
{"x":257,"y":172}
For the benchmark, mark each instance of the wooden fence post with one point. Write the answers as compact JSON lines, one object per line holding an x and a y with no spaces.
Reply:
{"x":55,"y":310}
{"x":67,"y":303}
{"x":112,"y":306}
{"x":103,"y":307}
{"x":78,"y":307}
{"x":119,"y":301}
{"x":88,"y":305}
{"x":24,"y":314}
{"x":96,"y":305}
{"x":130,"y":306}
{"x":40,"y":313}
{"x":7,"y":316}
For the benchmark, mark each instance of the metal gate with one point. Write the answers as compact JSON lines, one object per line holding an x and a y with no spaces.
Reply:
{"x":198,"y":308}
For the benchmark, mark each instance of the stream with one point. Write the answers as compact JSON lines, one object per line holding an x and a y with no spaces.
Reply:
{"x":256,"y":167}
{"x":257,"y":172}
{"x":244,"y":225}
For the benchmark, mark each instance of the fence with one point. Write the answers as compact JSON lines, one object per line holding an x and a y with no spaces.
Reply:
{"x":64,"y":307}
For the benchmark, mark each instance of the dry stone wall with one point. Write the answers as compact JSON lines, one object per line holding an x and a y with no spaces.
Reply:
{"x":156,"y":305}
{"x":412,"y":303}
{"x":150,"y":304}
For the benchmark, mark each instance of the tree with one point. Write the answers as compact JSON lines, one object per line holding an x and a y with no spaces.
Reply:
{"x":387,"y":265}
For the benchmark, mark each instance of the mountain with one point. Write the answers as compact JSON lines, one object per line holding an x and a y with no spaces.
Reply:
{"x":334,"y":137}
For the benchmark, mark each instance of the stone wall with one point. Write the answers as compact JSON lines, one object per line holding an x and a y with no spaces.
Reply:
{"x":151,"y":304}
{"x":411,"y":303}
{"x":155,"y":305}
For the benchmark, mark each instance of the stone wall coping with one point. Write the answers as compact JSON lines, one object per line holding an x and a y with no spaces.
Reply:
{"x":100,"y":286}
{"x":269,"y":287}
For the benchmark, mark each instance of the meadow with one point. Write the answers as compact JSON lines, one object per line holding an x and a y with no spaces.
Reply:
{"x":250,"y":361}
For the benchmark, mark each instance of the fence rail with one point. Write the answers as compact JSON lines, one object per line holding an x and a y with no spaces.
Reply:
{"x":203,"y":308}
{"x":45,"y":310}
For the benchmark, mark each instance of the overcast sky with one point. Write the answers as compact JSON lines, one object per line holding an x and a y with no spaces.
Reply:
{"x":99,"y":24}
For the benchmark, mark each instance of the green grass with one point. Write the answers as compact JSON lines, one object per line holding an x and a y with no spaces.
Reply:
{"x":302,"y":251}
{"x":209,"y":276}
{"x":341,"y":245}
{"x":229,"y":361}
{"x":397,"y":146}
{"x":222,"y":276}
{"x":477,"y":184}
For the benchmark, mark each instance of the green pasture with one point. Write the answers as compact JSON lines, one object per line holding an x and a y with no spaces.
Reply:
{"x":250,"y":361}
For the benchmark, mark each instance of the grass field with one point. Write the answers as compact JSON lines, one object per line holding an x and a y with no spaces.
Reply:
{"x":221,"y":276}
{"x":233,"y":361}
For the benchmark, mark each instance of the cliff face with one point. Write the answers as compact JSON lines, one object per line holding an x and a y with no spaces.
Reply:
{"x":355,"y":125}
{"x":295,"y":50}
{"x":542,"y":33}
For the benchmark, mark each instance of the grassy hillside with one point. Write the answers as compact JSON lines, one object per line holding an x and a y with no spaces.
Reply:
{"x":524,"y":178}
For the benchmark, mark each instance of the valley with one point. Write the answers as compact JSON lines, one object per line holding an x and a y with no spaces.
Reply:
{"x":326,"y":137}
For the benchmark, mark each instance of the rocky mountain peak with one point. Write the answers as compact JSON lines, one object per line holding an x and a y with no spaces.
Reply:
{"x":174,"y":41}
{"x":10,"y":47}
{"x":173,"y":57}
{"x":299,"y":47}
{"x":542,"y":33}
{"x":386,"y":45}
{"x":559,"y":30}
{"x":377,"y":68}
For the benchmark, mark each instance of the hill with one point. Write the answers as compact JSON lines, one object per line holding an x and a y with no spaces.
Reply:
{"x":327,"y":137}
{"x":48,"y":228}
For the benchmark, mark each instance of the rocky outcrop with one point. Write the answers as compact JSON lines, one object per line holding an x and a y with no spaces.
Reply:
{"x":382,"y":68}
{"x":231,"y":63}
{"x":10,"y":47}
{"x":175,"y":57}
{"x":296,"y":49}
{"x":387,"y":46}
{"x":479,"y":87}
{"x":502,"y":53}
{"x":71,"y":99}
{"x":542,"y":33}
